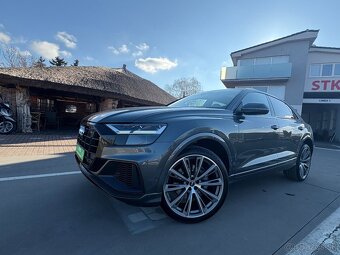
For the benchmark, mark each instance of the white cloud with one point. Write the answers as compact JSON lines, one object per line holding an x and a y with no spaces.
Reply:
{"x":153,"y":65}
{"x":113,"y":50}
{"x":137,"y":53}
{"x":137,"y":50}
{"x":142,"y":47}
{"x":45,"y":49}
{"x":124,"y":49}
{"x":65,"y":53}
{"x":120,"y":50}
{"x":69,"y":40}
{"x":4,"y":38}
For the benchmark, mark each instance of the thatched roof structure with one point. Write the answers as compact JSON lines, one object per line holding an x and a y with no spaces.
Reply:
{"x":105,"y":82}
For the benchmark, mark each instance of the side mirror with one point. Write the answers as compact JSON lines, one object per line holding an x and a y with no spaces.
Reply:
{"x":253,"y":109}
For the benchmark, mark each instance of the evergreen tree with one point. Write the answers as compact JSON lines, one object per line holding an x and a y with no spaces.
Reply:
{"x":75,"y":63}
{"x":57,"y":61}
{"x":40,"y":63}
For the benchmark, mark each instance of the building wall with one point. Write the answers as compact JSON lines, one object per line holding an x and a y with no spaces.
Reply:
{"x":298,"y":56}
{"x":323,"y":109}
{"x":320,"y":58}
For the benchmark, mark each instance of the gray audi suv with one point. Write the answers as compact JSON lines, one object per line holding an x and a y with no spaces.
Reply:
{"x":184,"y":155}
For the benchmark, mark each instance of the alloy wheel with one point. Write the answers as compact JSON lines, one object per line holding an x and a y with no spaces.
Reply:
{"x":6,"y":127}
{"x":194,"y":186}
{"x":305,"y":161}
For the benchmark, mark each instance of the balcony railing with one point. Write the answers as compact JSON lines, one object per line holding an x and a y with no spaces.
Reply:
{"x":257,"y":72}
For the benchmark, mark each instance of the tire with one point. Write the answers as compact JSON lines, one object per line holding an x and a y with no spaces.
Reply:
{"x":4,"y":127}
{"x":184,"y":198}
{"x":303,"y":163}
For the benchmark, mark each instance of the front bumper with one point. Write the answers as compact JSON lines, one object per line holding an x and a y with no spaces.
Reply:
{"x":140,"y":200}
{"x":130,"y":174}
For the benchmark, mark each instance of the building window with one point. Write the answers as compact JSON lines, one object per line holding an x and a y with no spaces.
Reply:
{"x":260,"y":88}
{"x":280,"y":59}
{"x":315,"y":69}
{"x":263,"y":61}
{"x":246,"y":62}
{"x":45,"y":105}
{"x":327,"y":70}
{"x":337,"y":69}
{"x":90,"y":107}
{"x":71,"y":108}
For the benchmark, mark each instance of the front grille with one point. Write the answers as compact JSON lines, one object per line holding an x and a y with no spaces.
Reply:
{"x":89,"y":141}
{"x":125,"y":172}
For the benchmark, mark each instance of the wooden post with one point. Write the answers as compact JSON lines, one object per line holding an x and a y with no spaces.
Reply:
{"x":108,"y":104}
{"x":24,"y":119}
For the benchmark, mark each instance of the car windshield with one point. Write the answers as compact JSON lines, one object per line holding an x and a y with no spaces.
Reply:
{"x":209,"y":99}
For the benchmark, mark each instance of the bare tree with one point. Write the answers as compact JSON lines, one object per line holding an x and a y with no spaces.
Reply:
{"x":11,"y":56}
{"x":184,"y":87}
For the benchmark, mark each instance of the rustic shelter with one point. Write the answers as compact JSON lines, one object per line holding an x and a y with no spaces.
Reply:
{"x":62,"y":96}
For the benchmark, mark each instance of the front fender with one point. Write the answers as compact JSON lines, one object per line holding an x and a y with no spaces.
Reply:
{"x":178,"y":147}
{"x":303,"y":140}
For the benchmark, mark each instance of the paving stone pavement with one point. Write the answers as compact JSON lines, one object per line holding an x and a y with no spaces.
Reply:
{"x":36,"y":144}
{"x":323,"y":240}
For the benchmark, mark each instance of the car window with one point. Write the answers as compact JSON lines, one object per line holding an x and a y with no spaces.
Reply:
{"x":255,"y":98}
{"x":281,"y":109}
{"x":199,"y":102}
{"x":208,"y":99}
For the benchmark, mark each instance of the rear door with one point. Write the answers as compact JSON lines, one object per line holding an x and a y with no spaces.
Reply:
{"x":290,"y":129}
{"x":257,"y":144}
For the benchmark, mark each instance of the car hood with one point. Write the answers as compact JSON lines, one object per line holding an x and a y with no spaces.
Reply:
{"x":153,"y":114}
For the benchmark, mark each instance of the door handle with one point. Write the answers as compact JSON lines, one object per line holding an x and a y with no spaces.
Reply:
{"x":275,"y":127}
{"x":301,"y":127}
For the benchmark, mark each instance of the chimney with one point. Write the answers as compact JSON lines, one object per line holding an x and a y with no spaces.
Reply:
{"x":124,"y":67}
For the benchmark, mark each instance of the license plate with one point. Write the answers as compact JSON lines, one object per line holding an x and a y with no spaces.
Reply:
{"x":80,"y":152}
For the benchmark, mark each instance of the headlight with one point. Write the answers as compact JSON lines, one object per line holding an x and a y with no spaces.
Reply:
{"x":138,"y":134}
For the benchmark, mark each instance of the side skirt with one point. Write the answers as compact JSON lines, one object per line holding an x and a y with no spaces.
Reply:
{"x":279,"y":166}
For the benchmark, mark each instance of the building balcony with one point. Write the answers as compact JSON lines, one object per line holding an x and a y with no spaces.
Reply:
{"x":282,"y":71}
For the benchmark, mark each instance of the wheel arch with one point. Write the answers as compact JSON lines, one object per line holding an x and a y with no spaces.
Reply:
{"x":195,"y":140}
{"x":308,"y":140}
{"x":209,"y":141}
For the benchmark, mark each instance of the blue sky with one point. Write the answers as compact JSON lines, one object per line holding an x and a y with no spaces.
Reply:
{"x":161,"y":40}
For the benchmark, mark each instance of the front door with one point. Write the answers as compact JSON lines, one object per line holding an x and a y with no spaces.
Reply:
{"x":257,"y":139}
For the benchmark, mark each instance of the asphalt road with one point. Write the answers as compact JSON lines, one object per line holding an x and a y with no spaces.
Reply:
{"x":65,"y":214}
